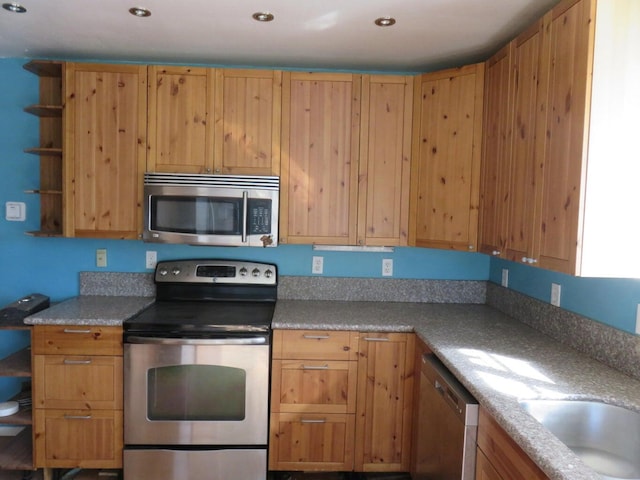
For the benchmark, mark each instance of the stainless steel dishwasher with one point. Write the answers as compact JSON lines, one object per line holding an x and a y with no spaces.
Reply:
{"x":448,"y":424}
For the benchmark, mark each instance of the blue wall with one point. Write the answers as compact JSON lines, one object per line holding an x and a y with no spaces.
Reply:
{"x":51,"y":265}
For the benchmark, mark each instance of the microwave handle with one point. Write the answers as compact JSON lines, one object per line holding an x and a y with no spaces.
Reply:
{"x":245,"y":208}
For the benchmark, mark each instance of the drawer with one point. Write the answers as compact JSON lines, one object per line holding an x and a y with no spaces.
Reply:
{"x":311,"y":442}
{"x":315,"y":344}
{"x":78,"y":438}
{"x":507,"y":458}
{"x":71,"y":381}
{"x":317,"y":386}
{"x":77,"y":340}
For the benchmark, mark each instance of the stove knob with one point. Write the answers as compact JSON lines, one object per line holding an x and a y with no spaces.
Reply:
{"x":163,"y":272}
{"x":176,"y":271}
{"x":268,"y":273}
{"x":255,"y":272}
{"x":243,"y":272}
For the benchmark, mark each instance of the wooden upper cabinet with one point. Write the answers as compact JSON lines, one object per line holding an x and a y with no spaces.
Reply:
{"x":179,"y":119}
{"x":385,"y":152}
{"x":105,"y":149}
{"x":384,"y":410}
{"x":445,"y":175}
{"x":247,"y":121}
{"x":496,"y":154}
{"x":320,"y":133}
{"x":526,"y":168}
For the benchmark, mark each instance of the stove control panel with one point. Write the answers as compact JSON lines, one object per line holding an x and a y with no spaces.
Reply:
{"x":216,"y":271}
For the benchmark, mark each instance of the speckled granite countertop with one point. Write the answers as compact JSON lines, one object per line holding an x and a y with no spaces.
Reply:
{"x":500,"y":360}
{"x":91,"y":310}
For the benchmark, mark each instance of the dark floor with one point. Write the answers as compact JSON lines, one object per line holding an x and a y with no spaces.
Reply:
{"x":337,"y":476}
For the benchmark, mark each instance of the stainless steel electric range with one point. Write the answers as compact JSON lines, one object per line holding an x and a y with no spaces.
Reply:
{"x":197,"y":373}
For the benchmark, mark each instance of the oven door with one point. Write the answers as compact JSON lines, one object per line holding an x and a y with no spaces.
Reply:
{"x":196,"y":392}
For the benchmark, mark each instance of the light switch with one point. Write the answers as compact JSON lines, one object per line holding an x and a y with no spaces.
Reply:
{"x":16,"y":211}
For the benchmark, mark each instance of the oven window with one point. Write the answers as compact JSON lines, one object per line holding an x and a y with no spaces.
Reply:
{"x":196,"y":392}
{"x":196,"y":215}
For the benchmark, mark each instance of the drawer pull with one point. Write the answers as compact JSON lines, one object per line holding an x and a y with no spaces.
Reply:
{"x":76,"y":362}
{"x":77,"y":330}
{"x":315,"y":367}
{"x":375,"y":339}
{"x":77,"y":417}
{"x":308,"y":420}
{"x":316,"y":337}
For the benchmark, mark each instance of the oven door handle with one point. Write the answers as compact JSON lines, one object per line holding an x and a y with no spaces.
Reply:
{"x":198,"y":341}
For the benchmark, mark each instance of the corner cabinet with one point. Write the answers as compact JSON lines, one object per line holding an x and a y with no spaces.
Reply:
{"x":49,"y":110}
{"x":105,"y":149}
{"x":445,"y":174}
{"x":341,"y":401}
{"x":77,"y":396}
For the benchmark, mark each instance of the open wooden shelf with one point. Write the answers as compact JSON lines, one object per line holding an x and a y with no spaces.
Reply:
{"x":44,"y":111}
{"x":44,"y":68}
{"x":17,"y":364}
{"x":16,"y":453}
{"x":44,"y":151}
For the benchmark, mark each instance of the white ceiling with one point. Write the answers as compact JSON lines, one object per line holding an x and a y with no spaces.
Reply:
{"x":309,"y":34}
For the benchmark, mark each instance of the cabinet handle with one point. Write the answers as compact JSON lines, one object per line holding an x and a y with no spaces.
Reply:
{"x":76,"y":330}
{"x":77,"y":417}
{"x":308,"y":420}
{"x":66,"y":361}
{"x":375,"y":339}
{"x":495,"y":252}
{"x":316,"y":337}
{"x":315,"y":367}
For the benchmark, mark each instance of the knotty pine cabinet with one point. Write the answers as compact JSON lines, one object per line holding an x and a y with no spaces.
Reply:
{"x":445,"y":172}
{"x":341,"y":401}
{"x":105,"y":149}
{"x":499,"y":457}
{"x":573,"y":173}
{"x":205,"y":120}
{"x":77,"y":396}
{"x":346,"y":147}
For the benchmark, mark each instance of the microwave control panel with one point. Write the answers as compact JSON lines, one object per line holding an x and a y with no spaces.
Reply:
{"x":259,"y":217}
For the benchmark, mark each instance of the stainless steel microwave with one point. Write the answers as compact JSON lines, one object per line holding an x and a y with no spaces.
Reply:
{"x":224,"y":210}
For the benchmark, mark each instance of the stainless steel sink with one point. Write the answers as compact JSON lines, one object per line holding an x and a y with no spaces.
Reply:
{"x":605,"y":437}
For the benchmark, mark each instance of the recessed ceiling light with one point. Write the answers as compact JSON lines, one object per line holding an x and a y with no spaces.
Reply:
{"x":263,"y":16}
{"x":385,"y":21}
{"x":14,"y":7}
{"x":139,"y":12}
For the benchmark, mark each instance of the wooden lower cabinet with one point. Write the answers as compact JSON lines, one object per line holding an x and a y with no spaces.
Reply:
{"x":499,"y":457}
{"x":77,"y":396}
{"x":341,"y":401}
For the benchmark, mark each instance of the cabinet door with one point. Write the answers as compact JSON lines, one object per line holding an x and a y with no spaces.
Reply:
{"x":247,"y":121}
{"x":496,"y":155}
{"x":385,"y":152}
{"x":484,"y":469}
{"x":384,"y":402}
{"x":69,"y":381}
{"x":568,"y":67}
{"x":179,"y":121}
{"x":313,"y":386}
{"x":78,"y":438}
{"x":77,"y":340}
{"x":315,"y":344}
{"x":105,"y":150}
{"x":311,"y":442}
{"x":445,"y":175}
{"x":320,"y":133}
{"x":526,"y":173}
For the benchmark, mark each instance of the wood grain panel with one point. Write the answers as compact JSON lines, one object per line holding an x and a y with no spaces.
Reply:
{"x":484,"y":469}
{"x":76,"y":340}
{"x":180,"y":132}
{"x":445,"y":175}
{"x":315,"y":344}
{"x":385,"y":152}
{"x":384,"y":403}
{"x":247,"y":121}
{"x":311,"y":442}
{"x":321,"y":121}
{"x":503,"y":453}
{"x":496,"y":155}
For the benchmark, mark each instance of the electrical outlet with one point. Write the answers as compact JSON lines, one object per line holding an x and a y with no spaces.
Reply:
{"x":387,"y":267}
{"x":556,"y":289}
{"x":151,"y":259}
{"x":101,"y":257}
{"x":505,"y":277}
{"x":638,"y":319}
{"x":317,"y":265}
